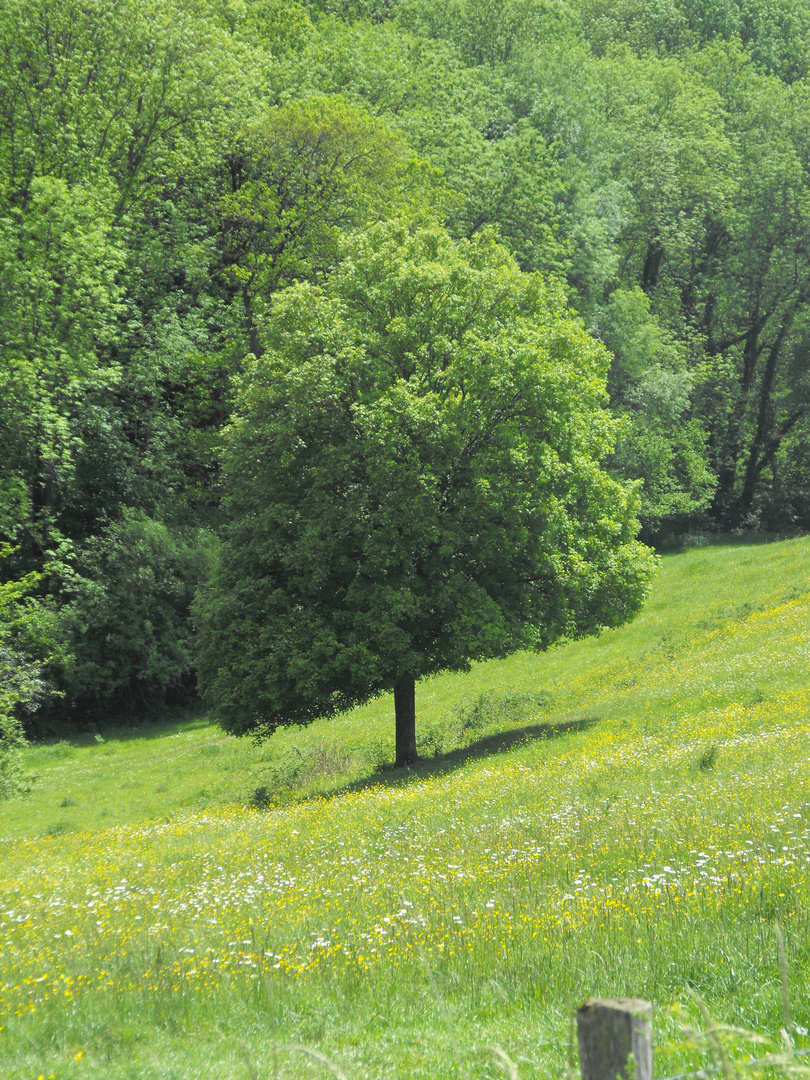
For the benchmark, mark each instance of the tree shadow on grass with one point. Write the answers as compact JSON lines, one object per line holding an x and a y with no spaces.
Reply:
{"x":502,"y":742}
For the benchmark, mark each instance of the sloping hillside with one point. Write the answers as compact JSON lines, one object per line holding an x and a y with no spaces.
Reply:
{"x":623,"y":816}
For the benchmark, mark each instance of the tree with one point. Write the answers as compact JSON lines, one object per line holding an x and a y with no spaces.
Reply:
{"x":311,"y":171}
{"x":775,"y":32}
{"x":116,"y":89}
{"x":471,"y":122}
{"x":413,"y":483}
{"x":59,"y":302}
{"x":757,"y":299}
{"x":644,"y":168}
{"x":489,"y":32}
{"x":650,"y":385}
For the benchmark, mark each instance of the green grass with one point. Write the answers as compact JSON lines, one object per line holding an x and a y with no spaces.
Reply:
{"x":624,"y":816}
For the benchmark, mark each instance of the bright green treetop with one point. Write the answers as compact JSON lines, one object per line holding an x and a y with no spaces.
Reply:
{"x":413,"y":483}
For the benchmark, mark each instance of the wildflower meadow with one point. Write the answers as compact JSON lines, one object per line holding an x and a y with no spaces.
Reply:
{"x":641,"y":828}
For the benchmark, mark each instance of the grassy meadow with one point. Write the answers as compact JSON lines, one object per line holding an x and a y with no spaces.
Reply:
{"x":622,"y":816}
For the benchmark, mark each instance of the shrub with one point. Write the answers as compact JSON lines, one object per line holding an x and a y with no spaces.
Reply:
{"x":25,"y":630}
{"x":124,"y":620}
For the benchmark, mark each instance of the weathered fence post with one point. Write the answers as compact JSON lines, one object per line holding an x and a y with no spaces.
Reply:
{"x":615,"y":1039}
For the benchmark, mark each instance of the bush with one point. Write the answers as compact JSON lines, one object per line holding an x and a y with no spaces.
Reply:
{"x":124,"y":621}
{"x":25,"y":628}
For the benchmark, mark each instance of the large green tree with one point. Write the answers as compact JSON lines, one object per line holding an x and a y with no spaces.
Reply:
{"x":413,"y":483}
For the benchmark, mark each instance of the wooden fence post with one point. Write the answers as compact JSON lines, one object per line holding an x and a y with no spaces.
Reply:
{"x":615,"y":1039}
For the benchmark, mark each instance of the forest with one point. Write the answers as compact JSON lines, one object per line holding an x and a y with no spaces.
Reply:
{"x":170,"y":170}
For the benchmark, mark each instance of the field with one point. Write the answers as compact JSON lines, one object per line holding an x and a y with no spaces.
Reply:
{"x":623,"y":816}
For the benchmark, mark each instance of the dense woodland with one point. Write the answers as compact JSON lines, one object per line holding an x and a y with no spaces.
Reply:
{"x":168,"y":167}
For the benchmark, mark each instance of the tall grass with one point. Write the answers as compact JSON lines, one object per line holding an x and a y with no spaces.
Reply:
{"x":626,"y":816}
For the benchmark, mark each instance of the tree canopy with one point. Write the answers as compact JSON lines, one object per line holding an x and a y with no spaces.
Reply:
{"x":412,"y":482}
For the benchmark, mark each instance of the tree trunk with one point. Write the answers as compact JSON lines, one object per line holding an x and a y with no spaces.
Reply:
{"x":732,"y":446}
{"x":405,"y":711}
{"x":250,"y":323}
{"x":765,"y":417}
{"x":652,"y":265}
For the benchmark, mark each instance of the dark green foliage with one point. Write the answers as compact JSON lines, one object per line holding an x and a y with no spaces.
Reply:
{"x":708,"y":758}
{"x":126,"y":634}
{"x":101,"y":110}
{"x":412,"y":484}
{"x":110,"y":118}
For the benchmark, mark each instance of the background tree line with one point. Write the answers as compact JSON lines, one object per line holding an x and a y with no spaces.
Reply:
{"x":166,"y":168}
